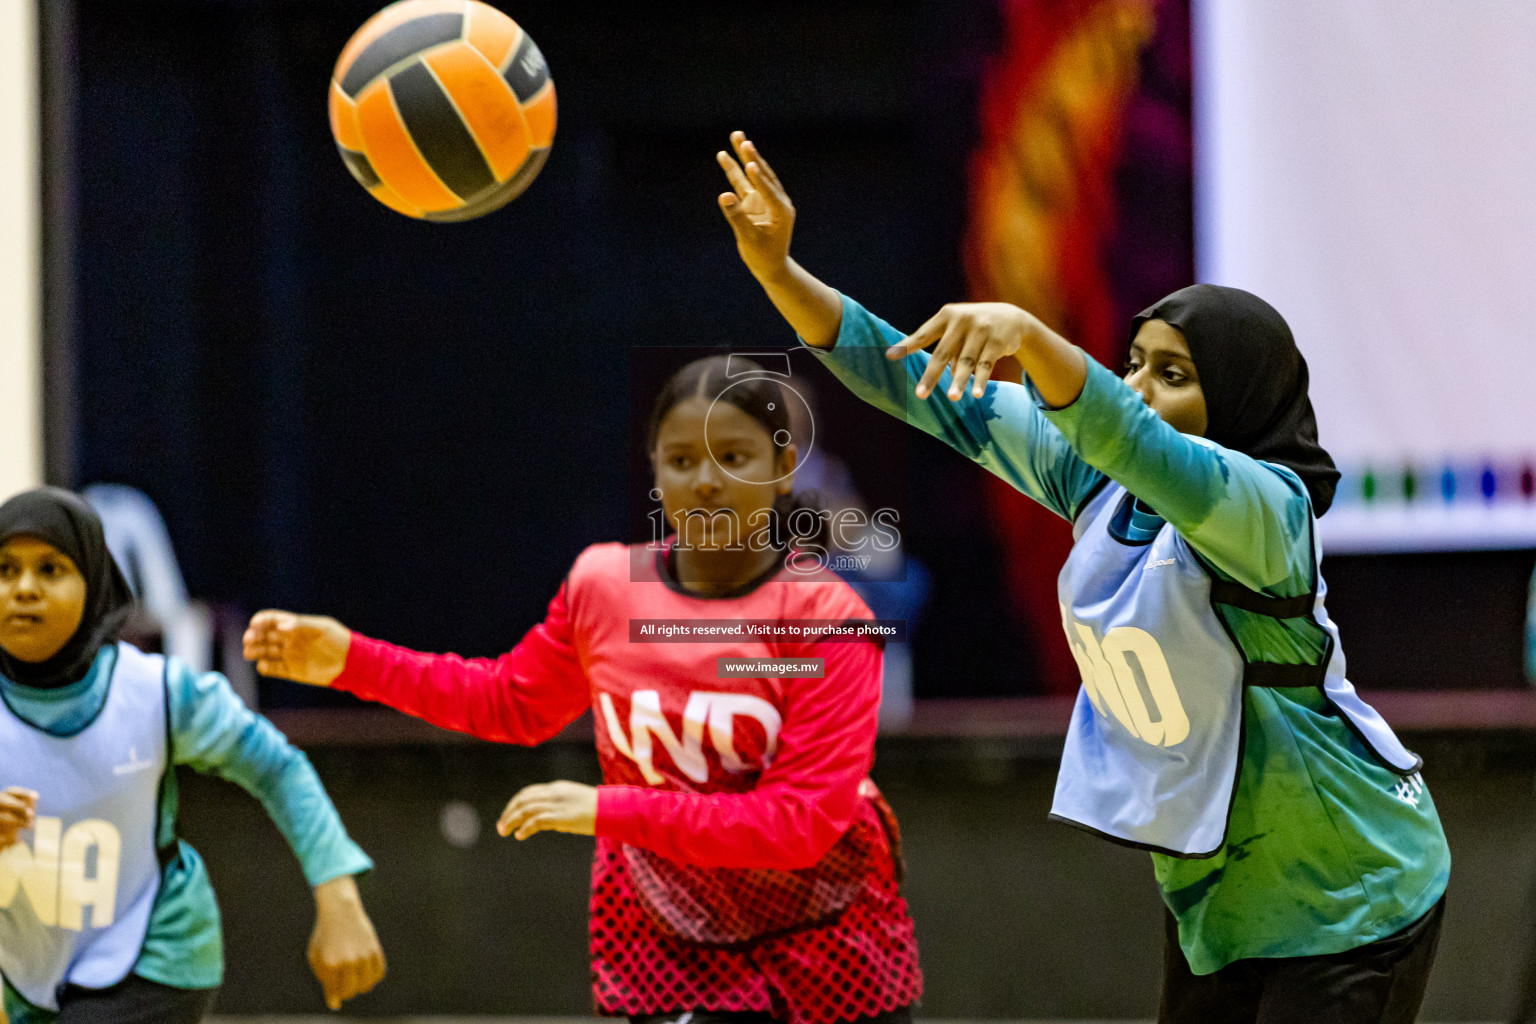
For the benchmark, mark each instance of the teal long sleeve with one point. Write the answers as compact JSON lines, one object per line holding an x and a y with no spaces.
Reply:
{"x":1328,"y":854}
{"x":1003,"y":431}
{"x":212,"y":732}
{"x":1251,"y":520}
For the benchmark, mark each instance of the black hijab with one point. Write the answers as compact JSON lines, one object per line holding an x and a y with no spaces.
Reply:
{"x":64,"y":520}
{"x":1254,"y":379}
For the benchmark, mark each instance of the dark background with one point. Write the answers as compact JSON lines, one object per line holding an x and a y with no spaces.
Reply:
{"x":416,"y":427}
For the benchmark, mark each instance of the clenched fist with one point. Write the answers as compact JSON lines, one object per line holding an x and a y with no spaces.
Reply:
{"x":344,"y":951}
{"x":305,"y":648}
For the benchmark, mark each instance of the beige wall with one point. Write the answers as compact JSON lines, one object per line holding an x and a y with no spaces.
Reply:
{"x":21,"y":444}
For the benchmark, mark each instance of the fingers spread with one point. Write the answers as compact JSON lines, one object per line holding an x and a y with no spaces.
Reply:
{"x":739,"y":144}
{"x":930,"y":378}
{"x":944,"y":353}
{"x":975,"y":343}
{"x":771,"y":191}
{"x":735,"y":215}
{"x":733,"y":173}
{"x":931,"y":331}
{"x":750,"y":151}
{"x":983,"y":375}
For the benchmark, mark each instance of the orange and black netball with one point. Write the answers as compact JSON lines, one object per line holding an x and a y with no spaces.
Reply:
{"x":443,"y":110}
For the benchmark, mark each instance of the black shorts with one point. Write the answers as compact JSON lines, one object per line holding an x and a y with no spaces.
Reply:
{"x":1378,"y":983}
{"x":901,"y":1016}
{"x":134,"y":1000}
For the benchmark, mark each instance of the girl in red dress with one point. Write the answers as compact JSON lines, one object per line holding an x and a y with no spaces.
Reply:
{"x":746,"y":867}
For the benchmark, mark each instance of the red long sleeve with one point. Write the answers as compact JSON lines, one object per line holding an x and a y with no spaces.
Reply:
{"x":803,"y":802}
{"x":525,"y":696}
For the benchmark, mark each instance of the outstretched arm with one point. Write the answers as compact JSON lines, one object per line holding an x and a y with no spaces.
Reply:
{"x":802,"y":804}
{"x":213,"y":732}
{"x":526,"y":696}
{"x":1249,"y":519}
{"x":763,"y":219}
{"x":996,"y":424}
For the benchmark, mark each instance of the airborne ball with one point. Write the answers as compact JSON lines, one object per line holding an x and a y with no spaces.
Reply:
{"x":442,"y":109}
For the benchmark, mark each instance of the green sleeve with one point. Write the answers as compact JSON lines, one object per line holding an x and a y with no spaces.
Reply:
{"x":184,"y":946}
{"x":1252,"y":520}
{"x":1003,"y":431}
{"x":213,"y":732}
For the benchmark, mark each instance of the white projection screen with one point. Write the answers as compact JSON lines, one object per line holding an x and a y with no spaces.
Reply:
{"x":1369,"y":167}
{"x":21,"y":445}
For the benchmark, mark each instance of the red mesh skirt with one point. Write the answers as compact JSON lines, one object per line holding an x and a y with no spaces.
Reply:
{"x":861,"y":962}
{"x":727,"y":906}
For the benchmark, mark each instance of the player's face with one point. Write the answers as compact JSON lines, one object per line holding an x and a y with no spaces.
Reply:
{"x":42,"y":599}
{"x":1162,"y":371}
{"x":718,"y":473}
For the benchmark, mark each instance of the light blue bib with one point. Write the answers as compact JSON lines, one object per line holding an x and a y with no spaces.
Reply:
{"x":1152,"y":753}
{"x":76,"y":891}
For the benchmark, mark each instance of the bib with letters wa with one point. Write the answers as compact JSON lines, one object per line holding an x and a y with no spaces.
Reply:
{"x":77,"y":889}
{"x":1154,"y":746}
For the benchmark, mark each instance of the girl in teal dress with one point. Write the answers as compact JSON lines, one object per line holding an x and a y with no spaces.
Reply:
{"x":105,"y":916}
{"x":1295,"y":845}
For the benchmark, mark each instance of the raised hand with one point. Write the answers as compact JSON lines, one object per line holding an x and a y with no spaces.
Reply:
{"x":18,"y":810}
{"x":305,"y":648}
{"x":550,"y":807}
{"x":344,"y":950}
{"x":757,"y":208}
{"x":762,"y":218}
